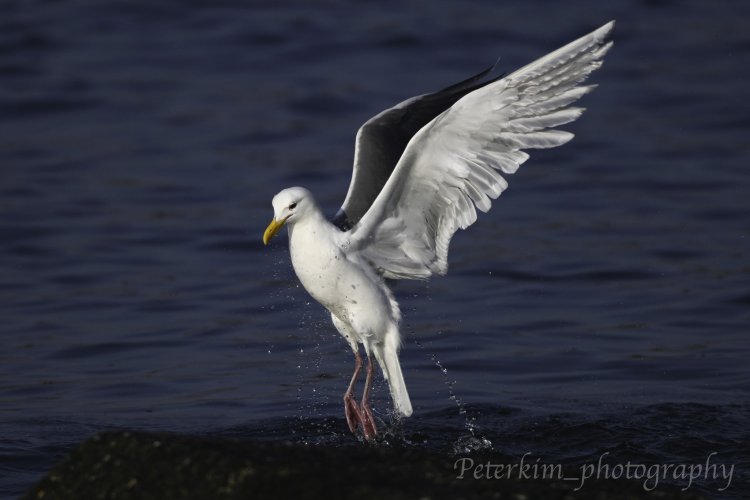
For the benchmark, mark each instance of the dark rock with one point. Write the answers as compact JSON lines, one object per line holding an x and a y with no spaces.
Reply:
{"x":135,"y":465}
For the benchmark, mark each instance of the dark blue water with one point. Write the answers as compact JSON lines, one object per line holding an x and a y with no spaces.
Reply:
{"x":602,"y":305}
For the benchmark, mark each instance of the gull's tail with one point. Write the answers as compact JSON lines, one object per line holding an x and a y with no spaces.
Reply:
{"x":387,"y":355}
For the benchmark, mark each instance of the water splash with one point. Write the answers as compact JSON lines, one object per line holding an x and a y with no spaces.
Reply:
{"x":309,"y":362}
{"x":473,"y":441}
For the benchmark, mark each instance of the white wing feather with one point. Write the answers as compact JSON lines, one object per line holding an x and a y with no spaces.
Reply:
{"x":453,"y":163}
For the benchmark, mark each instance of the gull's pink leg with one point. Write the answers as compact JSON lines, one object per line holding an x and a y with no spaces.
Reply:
{"x":368,"y":422}
{"x":353,"y":413}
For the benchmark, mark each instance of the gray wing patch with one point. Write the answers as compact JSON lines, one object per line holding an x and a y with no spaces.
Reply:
{"x":383,"y":138}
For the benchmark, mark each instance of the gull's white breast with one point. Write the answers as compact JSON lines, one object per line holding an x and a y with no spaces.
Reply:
{"x":345,"y":286}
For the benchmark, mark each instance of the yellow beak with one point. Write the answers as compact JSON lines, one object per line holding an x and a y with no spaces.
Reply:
{"x":272,"y":229}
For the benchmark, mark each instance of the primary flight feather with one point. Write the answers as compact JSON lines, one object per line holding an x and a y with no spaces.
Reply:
{"x":421,"y":169}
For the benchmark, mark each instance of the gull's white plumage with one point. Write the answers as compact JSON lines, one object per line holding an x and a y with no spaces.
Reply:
{"x":450,"y":167}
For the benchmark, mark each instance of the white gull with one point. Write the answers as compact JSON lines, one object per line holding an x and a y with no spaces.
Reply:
{"x":421,"y":169}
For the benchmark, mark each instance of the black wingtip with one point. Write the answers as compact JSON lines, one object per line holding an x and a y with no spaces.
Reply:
{"x":472,"y":83}
{"x":457,"y":87}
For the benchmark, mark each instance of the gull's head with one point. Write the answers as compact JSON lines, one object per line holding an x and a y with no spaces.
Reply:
{"x":289,"y":206}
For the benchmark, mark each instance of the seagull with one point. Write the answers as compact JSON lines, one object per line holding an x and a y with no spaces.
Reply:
{"x":421,"y":169}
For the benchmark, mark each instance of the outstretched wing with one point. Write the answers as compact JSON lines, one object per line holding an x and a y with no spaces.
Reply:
{"x":453,"y":163}
{"x":382,"y":139}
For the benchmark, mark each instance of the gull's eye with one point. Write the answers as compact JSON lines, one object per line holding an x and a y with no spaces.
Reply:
{"x":293,"y":206}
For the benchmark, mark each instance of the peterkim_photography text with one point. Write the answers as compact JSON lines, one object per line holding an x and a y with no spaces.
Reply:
{"x":650,"y":475}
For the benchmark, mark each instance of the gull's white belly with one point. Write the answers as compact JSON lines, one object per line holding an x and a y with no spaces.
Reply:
{"x":341,"y":286}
